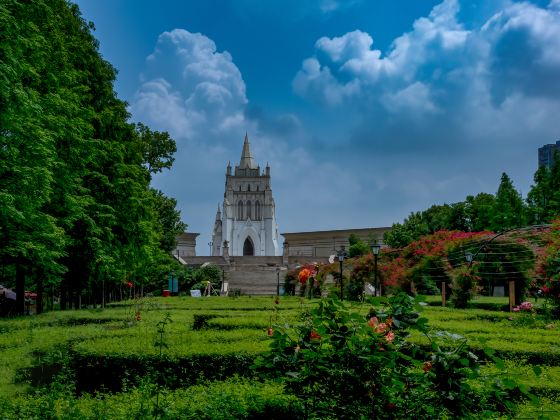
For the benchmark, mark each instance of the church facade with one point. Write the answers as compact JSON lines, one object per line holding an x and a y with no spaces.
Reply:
{"x":246,"y":223}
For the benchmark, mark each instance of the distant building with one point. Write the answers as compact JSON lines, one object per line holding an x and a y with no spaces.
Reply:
{"x":322,"y":244}
{"x":247,"y":222}
{"x":546,"y":154}
{"x":186,"y":245}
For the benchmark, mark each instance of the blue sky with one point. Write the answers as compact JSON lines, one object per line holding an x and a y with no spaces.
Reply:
{"x":365,"y":110}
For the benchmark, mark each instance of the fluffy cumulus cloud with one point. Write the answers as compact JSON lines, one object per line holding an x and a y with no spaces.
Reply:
{"x":459,"y":97}
{"x":348,"y":66}
{"x":189,"y":87}
{"x":517,"y":51}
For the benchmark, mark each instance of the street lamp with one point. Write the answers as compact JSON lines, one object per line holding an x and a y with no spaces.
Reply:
{"x":375,"y":250}
{"x":210,"y":245}
{"x":341,"y":254}
{"x":278,"y":281}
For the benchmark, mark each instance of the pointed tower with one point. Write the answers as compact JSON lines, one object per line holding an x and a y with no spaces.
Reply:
{"x":217,"y":234}
{"x":247,"y":220}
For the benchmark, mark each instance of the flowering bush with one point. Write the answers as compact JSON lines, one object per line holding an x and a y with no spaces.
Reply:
{"x":463,"y":286}
{"x":548,"y":270}
{"x":309,"y":278}
{"x":341,"y":364}
{"x":524,"y":307}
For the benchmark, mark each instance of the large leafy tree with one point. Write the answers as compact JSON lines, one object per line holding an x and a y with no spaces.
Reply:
{"x":30,"y":241}
{"x":75,"y":203}
{"x":509,"y":210}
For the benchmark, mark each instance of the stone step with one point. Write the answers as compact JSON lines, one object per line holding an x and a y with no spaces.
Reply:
{"x":254,"y":281}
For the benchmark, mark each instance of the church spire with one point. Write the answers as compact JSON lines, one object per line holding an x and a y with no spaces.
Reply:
{"x":247,"y":160}
{"x":218,"y":213}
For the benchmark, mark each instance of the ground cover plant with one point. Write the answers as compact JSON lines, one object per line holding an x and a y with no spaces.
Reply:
{"x":79,"y":363}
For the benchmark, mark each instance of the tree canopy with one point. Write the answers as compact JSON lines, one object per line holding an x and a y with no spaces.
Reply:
{"x":76,"y":207}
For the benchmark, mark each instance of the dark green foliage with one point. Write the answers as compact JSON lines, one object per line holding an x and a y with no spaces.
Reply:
{"x":235,"y":398}
{"x":357,"y":247}
{"x":200,"y":321}
{"x":509,"y":210}
{"x":544,"y":197}
{"x":342,"y":365}
{"x":76,"y":210}
{"x":427,"y":273}
{"x":207,"y":273}
{"x":464,"y":282}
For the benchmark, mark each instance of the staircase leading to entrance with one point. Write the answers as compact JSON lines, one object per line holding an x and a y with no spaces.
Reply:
{"x":254,"y":281}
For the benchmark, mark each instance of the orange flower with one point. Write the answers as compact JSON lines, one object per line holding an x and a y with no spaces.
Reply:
{"x":314,"y":336}
{"x":389,"y":321}
{"x":270,"y":332}
{"x":137,"y":316}
{"x":304,"y":275}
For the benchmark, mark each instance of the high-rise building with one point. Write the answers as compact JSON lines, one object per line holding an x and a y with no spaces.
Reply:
{"x":247,"y":221}
{"x":546,"y":154}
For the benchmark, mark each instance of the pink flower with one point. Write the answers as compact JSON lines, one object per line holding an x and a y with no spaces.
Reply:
{"x":373,"y":321}
{"x":516,"y":309}
{"x":390,"y":337}
{"x":381,"y":328}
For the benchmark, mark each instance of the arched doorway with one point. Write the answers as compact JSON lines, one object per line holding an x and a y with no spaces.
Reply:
{"x":248,"y":248}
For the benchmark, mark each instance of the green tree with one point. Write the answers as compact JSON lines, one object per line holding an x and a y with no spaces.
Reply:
{"x":357,"y":246}
{"x":157,"y":148}
{"x":509,"y":210}
{"x":543,"y":199}
{"x":411,"y":229}
{"x":30,"y":241}
{"x":75,"y":202}
{"x":479,"y":211}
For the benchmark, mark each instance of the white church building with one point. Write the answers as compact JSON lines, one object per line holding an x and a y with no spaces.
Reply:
{"x":246,"y":224}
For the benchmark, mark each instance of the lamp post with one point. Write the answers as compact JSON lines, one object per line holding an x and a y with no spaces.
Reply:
{"x":375,"y":250}
{"x":278,"y":281}
{"x":341,"y":254}
{"x":210,"y":245}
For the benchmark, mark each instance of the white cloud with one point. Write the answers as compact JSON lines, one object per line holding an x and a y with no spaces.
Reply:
{"x":412,"y":100}
{"x":189,"y":87}
{"x":352,"y":68}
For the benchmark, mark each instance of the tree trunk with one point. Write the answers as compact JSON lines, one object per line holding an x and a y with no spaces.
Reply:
{"x":39,"y":308}
{"x":20,"y":290}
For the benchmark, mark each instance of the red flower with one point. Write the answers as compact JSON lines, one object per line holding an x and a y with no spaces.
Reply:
{"x":137,"y":316}
{"x":314,"y":336}
{"x":129,"y":284}
{"x":427,"y":366}
{"x":270,"y":332}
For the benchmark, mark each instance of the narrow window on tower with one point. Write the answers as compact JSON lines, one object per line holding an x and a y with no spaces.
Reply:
{"x":248,"y":209}
{"x":257,"y":210}
{"x":240,"y":210}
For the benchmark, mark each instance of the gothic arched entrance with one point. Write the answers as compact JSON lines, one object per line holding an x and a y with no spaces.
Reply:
{"x":248,"y":248}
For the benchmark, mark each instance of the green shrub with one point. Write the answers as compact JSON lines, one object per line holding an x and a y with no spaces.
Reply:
{"x":340,"y":365}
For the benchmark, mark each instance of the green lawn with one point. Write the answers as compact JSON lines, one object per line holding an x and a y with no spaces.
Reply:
{"x":108,"y":347}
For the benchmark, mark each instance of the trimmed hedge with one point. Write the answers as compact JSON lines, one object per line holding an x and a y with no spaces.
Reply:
{"x":231,"y":399}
